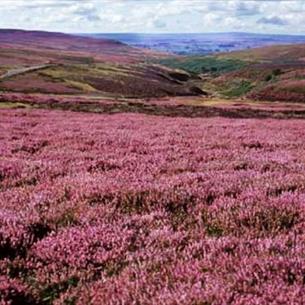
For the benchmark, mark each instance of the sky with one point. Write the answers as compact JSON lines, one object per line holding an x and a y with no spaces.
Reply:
{"x":155,"y":16}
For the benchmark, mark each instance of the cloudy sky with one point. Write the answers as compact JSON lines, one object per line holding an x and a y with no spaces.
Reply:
{"x":155,"y":16}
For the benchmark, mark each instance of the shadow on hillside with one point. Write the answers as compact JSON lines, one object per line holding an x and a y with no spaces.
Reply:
{"x":169,"y":110}
{"x":177,"y":110}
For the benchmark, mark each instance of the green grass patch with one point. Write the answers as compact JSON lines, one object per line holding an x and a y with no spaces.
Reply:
{"x":13,"y":105}
{"x":51,"y":292}
{"x":238,"y":89}
{"x":204,"y":64}
{"x":77,"y":73}
{"x":81,"y":86}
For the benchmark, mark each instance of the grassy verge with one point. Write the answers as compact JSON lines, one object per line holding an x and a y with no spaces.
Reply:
{"x":238,"y":89}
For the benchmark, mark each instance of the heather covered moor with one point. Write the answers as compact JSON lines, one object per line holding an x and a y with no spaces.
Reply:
{"x":137,"y":209}
{"x":150,"y":154}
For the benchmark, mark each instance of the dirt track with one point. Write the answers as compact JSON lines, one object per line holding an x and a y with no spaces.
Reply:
{"x":23,"y":70}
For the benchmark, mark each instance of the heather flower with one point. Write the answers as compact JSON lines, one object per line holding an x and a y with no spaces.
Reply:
{"x":136,"y":209}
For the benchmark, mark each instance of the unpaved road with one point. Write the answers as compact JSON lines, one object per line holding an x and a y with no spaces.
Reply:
{"x":23,"y":70}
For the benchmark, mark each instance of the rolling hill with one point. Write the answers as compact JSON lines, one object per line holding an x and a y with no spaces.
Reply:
{"x":46,"y":62}
{"x":274,"y":73}
{"x":35,"y":62}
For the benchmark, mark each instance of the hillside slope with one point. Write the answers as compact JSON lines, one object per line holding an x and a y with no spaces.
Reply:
{"x":47,"y":44}
{"x":82,"y":65}
{"x":275,"y":73}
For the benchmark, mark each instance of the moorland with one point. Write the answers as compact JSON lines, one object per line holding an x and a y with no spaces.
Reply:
{"x":132,"y":176}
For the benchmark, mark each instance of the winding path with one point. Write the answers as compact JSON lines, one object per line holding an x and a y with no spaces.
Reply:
{"x":18,"y":71}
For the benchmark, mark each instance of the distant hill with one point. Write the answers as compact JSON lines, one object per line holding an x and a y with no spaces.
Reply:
{"x":276,"y":54}
{"x":201,"y":44}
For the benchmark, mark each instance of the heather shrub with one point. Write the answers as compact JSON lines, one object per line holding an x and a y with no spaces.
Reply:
{"x":13,"y":292}
{"x":136,"y":209}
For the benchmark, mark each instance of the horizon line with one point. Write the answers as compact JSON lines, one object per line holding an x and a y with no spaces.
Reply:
{"x":151,"y":33}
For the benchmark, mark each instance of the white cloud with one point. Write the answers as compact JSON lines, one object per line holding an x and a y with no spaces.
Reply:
{"x":154,"y":15}
{"x":275,"y":20}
